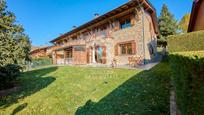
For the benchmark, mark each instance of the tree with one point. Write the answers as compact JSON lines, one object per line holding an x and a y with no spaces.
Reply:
{"x":167,"y":23}
{"x":14,"y":47}
{"x":14,"y":44}
{"x":23,"y":48}
{"x":7,"y":49}
{"x":183,"y":24}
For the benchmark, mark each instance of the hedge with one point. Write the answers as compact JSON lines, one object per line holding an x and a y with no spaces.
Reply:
{"x":37,"y":62}
{"x":186,"y":42}
{"x":8,"y":75}
{"x":188,"y":81}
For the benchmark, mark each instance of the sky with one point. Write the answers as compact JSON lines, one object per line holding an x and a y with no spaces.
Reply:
{"x":44,"y":20}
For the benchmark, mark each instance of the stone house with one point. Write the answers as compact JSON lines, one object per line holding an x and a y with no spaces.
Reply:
{"x":125,"y":34}
{"x":197,"y":16}
{"x":39,"y":52}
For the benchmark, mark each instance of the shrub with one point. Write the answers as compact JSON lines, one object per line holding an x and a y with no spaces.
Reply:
{"x":188,"y":81}
{"x":8,"y":75}
{"x":186,"y":42}
{"x":161,"y":43}
{"x":37,"y":62}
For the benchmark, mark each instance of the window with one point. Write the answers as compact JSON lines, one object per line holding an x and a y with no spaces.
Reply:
{"x":99,"y":54}
{"x":102,"y":31}
{"x":123,"y":49}
{"x":60,"y":43}
{"x":104,"y":34}
{"x":79,"y":48}
{"x":69,"y":54}
{"x":85,"y":35}
{"x":126,"y":48}
{"x":125,"y":23}
{"x":129,"y":48}
{"x":74,"y":39}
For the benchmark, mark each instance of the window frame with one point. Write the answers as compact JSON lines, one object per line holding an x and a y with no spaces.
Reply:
{"x":125,"y":51}
{"x":125,"y":23}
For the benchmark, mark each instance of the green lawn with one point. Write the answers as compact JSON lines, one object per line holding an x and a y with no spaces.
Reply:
{"x":90,"y":91}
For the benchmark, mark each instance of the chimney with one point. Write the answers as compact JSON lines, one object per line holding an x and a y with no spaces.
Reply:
{"x":96,"y":15}
{"x":74,"y":27}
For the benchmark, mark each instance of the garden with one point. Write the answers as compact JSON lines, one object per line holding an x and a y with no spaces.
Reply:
{"x":35,"y":86}
{"x":186,"y":58}
{"x":92,"y":91}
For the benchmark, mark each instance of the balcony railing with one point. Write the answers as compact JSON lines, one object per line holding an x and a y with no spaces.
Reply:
{"x":102,"y":34}
{"x":60,"y":61}
{"x":68,"y":61}
{"x":75,"y":42}
{"x":83,"y":39}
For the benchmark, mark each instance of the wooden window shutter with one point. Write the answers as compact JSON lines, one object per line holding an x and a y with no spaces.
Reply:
{"x":117,"y":25}
{"x":104,"y":55}
{"x":88,"y":55}
{"x":133,"y":47}
{"x":132,"y":20}
{"x":116,"y":49}
{"x":96,"y":52}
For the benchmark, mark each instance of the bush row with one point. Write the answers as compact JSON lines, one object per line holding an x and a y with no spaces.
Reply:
{"x":37,"y":62}
{"x":8,"y":75}
{"x":186,"y":42}
{"x":188,"y":81}
{"x":10,"y":72}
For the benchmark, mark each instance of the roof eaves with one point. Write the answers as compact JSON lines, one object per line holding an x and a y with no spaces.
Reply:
{"x":104,"y":15}
{"x":193,"y":15}
{"x":84,"y":25}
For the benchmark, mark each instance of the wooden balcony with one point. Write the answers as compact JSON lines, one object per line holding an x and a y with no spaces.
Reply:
{"x":68,"y":61}
{"x":51,"y":49}
{"x":75,"y":43}
{"x":70,"y":43}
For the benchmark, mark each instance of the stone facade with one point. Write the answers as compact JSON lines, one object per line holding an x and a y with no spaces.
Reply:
{"x":130,"y":34}
{"x":104,"y":46}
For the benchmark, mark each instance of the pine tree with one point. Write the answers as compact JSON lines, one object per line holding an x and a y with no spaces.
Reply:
{"x":14,"y":44}
{"x":167,"y":23}
{"x":7,"y":20}
{"x":14,"y":47}
{"x":23,"y":48}
{"x":7,"y":49}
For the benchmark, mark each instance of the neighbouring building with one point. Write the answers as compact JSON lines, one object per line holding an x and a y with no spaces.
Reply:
{"x":44,"y":51}
{"x":197,"y":16}
{"x":126,"y":33}
{"x":39,"y":52}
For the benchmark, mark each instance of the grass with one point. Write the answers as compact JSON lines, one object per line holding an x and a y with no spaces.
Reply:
{"x":90,"y":91}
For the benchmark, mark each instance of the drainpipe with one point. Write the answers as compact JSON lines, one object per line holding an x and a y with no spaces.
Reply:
{"x":143,"y":29}
{"x":143,"y":32}
{"x":93,"y":53}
